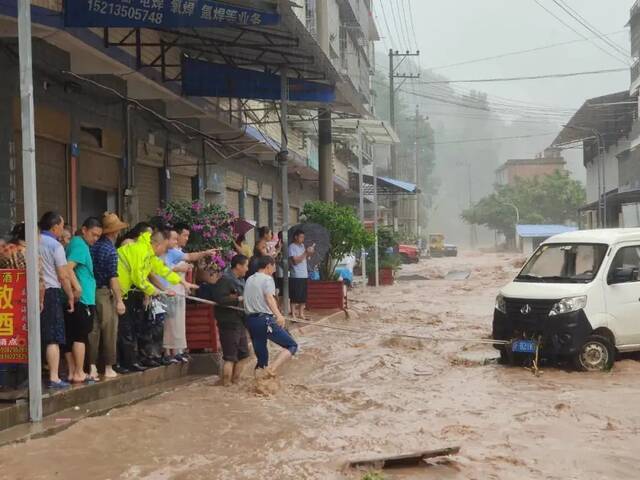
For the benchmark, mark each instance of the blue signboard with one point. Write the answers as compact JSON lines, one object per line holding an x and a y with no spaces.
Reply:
{"x":205,"y":79}
{"x":162,"y":14}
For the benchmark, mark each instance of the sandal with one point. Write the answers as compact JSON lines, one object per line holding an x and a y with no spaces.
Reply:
{"x":59,"y":385}
{"x":87,"y":381}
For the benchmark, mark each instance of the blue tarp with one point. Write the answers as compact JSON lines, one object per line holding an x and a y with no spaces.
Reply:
{"x":206,"y":79}
{"x":543,"y":231}
{"x":162,"y":14}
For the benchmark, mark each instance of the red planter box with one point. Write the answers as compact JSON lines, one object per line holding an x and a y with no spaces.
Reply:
{"x":326,"y":295}
{"x":386,"y":277}
{"x":202,"y":329}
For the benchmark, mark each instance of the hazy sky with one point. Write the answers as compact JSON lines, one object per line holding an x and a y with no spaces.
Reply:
{"x":455,"y":31}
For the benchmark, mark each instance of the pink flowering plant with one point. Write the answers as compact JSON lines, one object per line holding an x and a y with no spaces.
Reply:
{"x":211,"y":227}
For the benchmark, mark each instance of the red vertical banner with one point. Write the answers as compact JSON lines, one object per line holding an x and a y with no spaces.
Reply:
{"x":13,"y":316}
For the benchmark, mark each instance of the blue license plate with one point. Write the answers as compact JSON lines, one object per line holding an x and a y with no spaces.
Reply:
{"x":524,"y":346}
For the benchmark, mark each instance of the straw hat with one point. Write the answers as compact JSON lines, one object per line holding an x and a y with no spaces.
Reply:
{"x":112,"y":224}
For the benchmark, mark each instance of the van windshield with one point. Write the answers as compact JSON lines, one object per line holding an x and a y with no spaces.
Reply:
{"x":564,"y":263}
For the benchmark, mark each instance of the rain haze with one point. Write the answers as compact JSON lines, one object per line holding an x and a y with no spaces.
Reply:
{"x":501,"y":39}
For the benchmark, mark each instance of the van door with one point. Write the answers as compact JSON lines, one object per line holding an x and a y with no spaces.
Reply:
{"x":623,"y":294}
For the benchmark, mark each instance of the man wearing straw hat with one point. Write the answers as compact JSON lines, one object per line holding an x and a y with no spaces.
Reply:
{"x":109,"y":304}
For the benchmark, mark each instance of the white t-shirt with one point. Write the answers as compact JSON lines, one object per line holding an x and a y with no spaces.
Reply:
{"x":257,"y":286}
{"x":299,"y":270}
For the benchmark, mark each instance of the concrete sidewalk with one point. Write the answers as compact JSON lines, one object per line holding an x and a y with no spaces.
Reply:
{"x":63,"y":408}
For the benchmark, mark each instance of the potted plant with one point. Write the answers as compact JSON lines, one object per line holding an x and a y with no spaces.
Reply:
{"x":388,"y":258}
{"x":348,"y":236}
{"x":211,"y":226}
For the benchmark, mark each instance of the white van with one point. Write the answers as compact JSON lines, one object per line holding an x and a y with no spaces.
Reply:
{"x":577,"y":298}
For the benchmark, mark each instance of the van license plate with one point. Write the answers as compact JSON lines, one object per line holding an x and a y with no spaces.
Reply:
{"x":524,"y":346}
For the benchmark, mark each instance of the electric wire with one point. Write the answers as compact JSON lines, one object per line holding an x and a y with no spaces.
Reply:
{"x":386,"y":22}
{"x":583,"y":21}
{"x":531,"y":77}
{"x":607,"y":52}
{"x":519,"y":52}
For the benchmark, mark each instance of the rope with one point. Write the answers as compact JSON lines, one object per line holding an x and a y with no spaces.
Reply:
{"x":480,"y":341}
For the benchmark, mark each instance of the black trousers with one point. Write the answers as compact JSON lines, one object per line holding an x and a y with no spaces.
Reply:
{"x":129,"y":326}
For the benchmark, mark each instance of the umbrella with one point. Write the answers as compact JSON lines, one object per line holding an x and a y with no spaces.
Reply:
{"x":314,"y":233}
{"x":242,"y":226}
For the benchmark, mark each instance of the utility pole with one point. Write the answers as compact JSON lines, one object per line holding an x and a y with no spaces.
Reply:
{"x":392,"y":106}
{"x":283,"y":160}
{"x":417,"y":170}
{"x":473,"y":240}
{"x":30,"y":208}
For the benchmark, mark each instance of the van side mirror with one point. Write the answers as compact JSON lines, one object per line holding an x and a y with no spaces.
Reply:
{"x":623,"y":275}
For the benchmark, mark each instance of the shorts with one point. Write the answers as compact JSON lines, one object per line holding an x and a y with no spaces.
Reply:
{"x":279,"y":281}
{"x":79,"y":324}
{"x":233,"y":339}
{"x":298,"y":290}
{"x":52,"y":318}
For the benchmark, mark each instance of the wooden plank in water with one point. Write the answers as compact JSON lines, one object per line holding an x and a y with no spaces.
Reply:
{"x":405,"y":460}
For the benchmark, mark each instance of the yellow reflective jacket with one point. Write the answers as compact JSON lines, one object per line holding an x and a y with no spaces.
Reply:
{"x":136,"y":261}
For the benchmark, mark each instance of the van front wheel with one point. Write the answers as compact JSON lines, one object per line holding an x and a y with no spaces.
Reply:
{"x":597,"y":354}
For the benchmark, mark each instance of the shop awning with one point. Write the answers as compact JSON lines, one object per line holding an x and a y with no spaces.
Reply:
{"x":610,"y":116}
{"x":386,"y":186}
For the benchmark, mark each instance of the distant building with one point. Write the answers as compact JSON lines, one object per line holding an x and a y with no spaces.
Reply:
{"x":544,"y":164}
{"x":529,"y":237}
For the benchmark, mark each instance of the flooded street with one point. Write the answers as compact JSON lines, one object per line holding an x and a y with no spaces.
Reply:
{"x":354,"y":395}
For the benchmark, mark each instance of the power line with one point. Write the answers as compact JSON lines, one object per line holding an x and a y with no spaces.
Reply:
{"x":412,"y":23}
{"x":386,"y":22}
{"x":491,"y":139}
{"x":584,"y":37}
{"x":398,"y":29}
{"x":519,"y":52}
{"x":583,"y":21}
{"x":533,"y":77}
{"x":406,"y":24}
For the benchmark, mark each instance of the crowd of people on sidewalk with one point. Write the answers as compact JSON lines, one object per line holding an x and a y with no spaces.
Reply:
{"x":114,"y":299}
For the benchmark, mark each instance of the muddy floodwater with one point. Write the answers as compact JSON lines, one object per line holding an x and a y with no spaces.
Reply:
{"x":353,"y":395}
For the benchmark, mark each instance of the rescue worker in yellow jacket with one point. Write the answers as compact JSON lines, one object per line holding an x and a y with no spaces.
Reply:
{"x":136,"y":262}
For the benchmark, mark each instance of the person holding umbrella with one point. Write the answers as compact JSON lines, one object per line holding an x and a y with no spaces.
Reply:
{"x":299,"y":273}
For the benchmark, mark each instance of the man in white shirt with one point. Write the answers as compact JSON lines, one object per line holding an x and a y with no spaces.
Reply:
{"x":299,"y":273}
{"x":264,"y":320}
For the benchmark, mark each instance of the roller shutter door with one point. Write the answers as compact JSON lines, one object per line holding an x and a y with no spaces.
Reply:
{"x":181,"y":188}
{"x":250,"y":214}
{"x":148,"y":183}
{"x":98,"y":171}
{"x":232,"y":201}
{"x":265,"y":206}
{"x":294,"y":215}
{"x":51,"y":178}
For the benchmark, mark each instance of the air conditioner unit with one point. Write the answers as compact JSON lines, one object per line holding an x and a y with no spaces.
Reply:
{"x":215,"y":179}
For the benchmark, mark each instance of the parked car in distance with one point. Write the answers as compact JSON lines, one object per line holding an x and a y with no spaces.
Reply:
{"x":450,"y":250}
{"x":576,"y":298}
{"x":409,"y":253}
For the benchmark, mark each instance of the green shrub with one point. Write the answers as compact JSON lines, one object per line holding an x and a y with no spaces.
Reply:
{"x":348,"y":235}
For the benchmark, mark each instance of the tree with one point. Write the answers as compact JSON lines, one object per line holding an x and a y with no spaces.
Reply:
{"x":550,"y":199}
{"x":348,"y":235}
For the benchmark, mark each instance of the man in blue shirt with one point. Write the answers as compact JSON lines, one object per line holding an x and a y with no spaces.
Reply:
{"x":175,"y":337}
{"x":103,"y":338}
